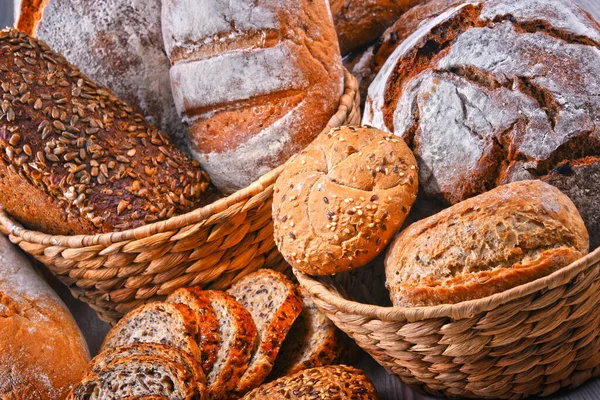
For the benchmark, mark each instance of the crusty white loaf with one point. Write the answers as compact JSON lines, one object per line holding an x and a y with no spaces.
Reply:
{"x":256,"y":81}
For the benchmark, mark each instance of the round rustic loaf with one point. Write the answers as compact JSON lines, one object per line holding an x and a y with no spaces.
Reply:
{"x":338,"y":202}
{"x":490,"y":92}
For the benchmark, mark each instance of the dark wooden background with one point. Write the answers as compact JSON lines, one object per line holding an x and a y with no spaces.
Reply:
{"x":389,"y":388}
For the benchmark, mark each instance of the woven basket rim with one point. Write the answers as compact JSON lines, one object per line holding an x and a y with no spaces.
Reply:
{"x":176,"y":222}
{"x":463,"y":310}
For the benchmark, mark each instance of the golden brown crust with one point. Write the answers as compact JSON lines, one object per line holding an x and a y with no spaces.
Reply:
{"x":29,"y":15}
{"x":506,"y":237}
{"x":338,"y":202}
{"x":74,"y":148}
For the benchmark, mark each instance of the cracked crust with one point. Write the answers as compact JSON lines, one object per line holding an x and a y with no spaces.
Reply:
{"x":492,"y":92}
{"x":498,"y":240}
{"x":274,"y":304}
{"x":338,"y":202}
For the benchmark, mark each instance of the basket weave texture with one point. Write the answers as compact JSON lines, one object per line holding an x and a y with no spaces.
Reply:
{"x":531,"y":340}
{"x":212,"y":246}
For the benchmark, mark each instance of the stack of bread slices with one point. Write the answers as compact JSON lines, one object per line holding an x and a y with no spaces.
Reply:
{"x":211,"y":344}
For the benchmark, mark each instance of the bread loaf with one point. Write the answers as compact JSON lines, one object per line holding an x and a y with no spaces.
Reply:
{"x":117,"y":43}
{"x":74,"y":159}
{"x":472,"y":96}
{"x":509,"y":236}
{"x":256,"y":81}
{"x":338,"y":202}
{"x":42,"y":352}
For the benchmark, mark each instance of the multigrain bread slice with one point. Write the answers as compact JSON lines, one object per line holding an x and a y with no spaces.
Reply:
{"x":163,"y":351}
{"x":208,"y":326}
{"x":138,"y":376}
{"x":238,"y":334}
{"x":165,"y":323}
{"x":333,"y":382}
{"x":313,"y":341}
{"x":274,"y":304}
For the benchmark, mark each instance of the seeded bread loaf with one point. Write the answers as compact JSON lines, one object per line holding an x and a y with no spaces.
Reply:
{"x":74,"y":159}
{"x":138,"y":376}
{"x":119,"y":45}
{"x":472,"y":96}
{"x":237,"y":331}
{"x":338,"y":202}
{"x":498,"y":240}
{"x":208,"y":326}
{"x":274,"y":304}
{"x":256,"y":81}
{"x":313,"y":341}
{"x":332,"y":382}
{"x":161,"y":351}
{"x":165,"y":323}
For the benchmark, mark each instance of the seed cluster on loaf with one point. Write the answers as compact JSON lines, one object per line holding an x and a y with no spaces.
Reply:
{"x":339,"y":201}
{"x":74,"y":146}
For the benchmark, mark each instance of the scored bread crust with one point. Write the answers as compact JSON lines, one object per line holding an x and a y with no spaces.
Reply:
{"x":272,"y":325}
{"x":208,"y":325}
{"x":501,"y":239}
{"x":331,"y":382}
{"x":233,"y":356}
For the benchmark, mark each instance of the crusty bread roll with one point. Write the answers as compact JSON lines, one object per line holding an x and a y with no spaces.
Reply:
{"x":506,"y":237}
{"x":117,"y":43}
{"x":256,"y":81}
{"x":338,"y":202}
{"x":42,"y":352}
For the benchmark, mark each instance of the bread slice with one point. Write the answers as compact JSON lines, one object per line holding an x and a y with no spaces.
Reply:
{"x":163,"y":351}
{"x":238,"y":334}
{"x":331,"y":382}
{"x":165,"y":323}
{"x":208,"y":326}
{"x":312,"y":342}
{"x":274,"y":304}
{"x":138,"y":376}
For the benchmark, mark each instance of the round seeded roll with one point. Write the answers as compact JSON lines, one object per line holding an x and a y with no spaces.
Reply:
{"x":337,"y":203}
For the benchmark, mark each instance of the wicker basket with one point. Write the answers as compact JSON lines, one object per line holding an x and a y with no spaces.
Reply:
{"x":212,"y":246}
{"x":530,"y":340}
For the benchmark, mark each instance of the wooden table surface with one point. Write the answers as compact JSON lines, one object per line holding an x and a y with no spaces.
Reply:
{"x":389,"y":388}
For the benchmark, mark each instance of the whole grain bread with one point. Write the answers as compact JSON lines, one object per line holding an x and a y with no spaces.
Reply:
{"x":339,"y":201}
{"x":272,"y":78}
{"x":274,"y":304}
{"x":165,"y":323}
{"x":138,"y":376}
{"x":75,"y":159}
{"x":208,"y":326}
{"x":238,"y":334}
{"x":313,"y":341}
{"x":332,"y":382}
{"x":501,"y":239}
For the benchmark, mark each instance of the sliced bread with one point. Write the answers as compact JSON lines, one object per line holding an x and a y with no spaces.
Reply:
{"x":138,"y":376}
{"x":312,"y":342}
{"x":164,"y":351}
{"x":208,"y":325}
{"x":238,"y":334}
{"x":165,"y":323}
{"x":331,"y":382}
{"x":274,"y":304}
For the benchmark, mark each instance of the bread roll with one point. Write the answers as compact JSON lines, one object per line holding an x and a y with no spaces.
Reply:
{"x":74,"y":159}
{"x":117,"y":43}
{"x":256,"y":81}
{"x":338,"y":202}
{"x":471,"y":93}
{"x":501,"y":239}
{"x":42,"y":352}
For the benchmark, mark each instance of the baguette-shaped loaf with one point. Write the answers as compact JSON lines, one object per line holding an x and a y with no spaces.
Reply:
{"x":506,"y":237}
{"x":74,"y":159}
{"x":256,"y":81}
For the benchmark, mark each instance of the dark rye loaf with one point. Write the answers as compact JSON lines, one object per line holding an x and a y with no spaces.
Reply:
{"x":74,"y":159}
{"x":492,"y":92}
